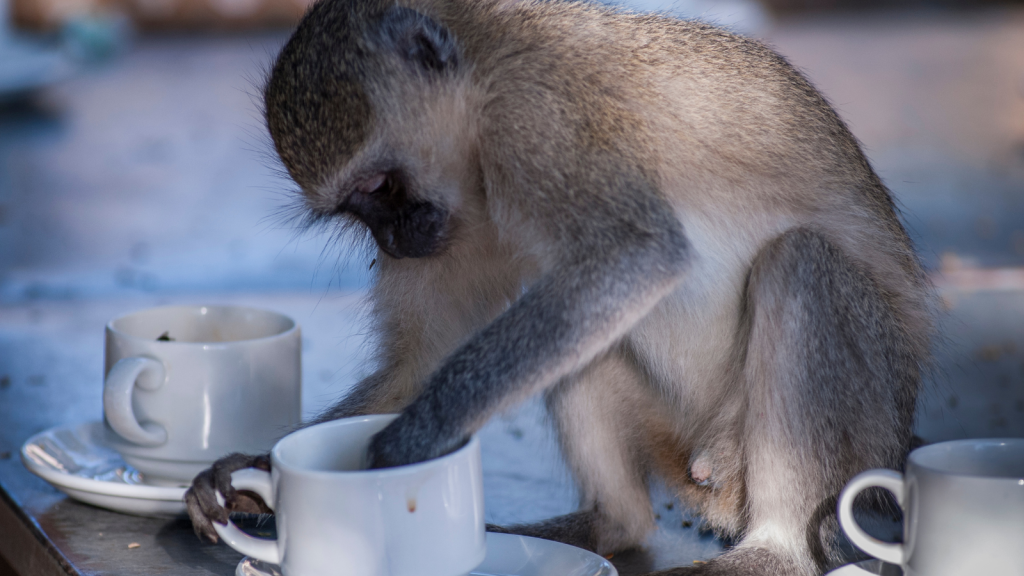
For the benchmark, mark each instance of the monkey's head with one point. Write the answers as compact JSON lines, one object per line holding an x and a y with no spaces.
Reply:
{"x":366,"y":108}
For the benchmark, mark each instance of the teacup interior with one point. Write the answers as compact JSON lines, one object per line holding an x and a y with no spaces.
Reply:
{"x":331,"y":447}
{"x":1001,"y":458}
{"x":203,"y":323}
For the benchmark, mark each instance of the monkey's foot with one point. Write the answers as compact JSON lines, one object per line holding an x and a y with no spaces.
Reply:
{"x":744,"y":562}
{"x":201,"y":498}
{"x":575,"y":529}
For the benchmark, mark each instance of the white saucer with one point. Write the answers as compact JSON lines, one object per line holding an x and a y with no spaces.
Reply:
{"x":79,"y":463}
{"x":507,"y":555}
{"x":866,"y":568}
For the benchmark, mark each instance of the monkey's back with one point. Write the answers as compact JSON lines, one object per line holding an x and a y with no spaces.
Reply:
{"x":737,"y":140}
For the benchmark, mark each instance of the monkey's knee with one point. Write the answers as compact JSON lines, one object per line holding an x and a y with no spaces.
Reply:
{"x":824,"y":334}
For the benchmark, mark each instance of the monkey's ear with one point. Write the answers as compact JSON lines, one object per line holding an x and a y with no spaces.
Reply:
{"x":419,"y":39}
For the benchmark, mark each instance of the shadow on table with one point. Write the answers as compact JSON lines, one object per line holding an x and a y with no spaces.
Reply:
{"x":186,"y":549}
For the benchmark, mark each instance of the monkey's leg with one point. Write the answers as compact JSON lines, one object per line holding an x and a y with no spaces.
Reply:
{"x":596,"y":413}
{"x":831,"y":383}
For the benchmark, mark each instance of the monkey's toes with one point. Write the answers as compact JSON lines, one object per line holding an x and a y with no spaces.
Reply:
{"x":201,"y":524}
{"x":201,"y":503}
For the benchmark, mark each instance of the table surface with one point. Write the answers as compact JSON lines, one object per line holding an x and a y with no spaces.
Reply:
{"x":101,"y":171}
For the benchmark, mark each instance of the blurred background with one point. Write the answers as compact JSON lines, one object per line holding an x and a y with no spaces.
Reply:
{"x":135,"y":170}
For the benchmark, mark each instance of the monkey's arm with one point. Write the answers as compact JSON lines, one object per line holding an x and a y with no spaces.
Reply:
{"x":420,"y":311}
{"x":591,"y":297}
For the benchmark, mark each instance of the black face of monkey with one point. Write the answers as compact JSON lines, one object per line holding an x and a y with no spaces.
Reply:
{"x":403,"y":226}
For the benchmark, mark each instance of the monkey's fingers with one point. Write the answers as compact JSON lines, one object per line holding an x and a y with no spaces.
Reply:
{"x":380,"y":453}
{"x":392,"y":447}
{"x":201,"y":498}
{"x":201,"y":502}
{"x":250,"y":502}
{"x":222,"y":470}
{"x":201,"y":523}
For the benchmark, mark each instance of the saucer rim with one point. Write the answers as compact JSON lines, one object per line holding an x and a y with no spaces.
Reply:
{"x":62,"y":479}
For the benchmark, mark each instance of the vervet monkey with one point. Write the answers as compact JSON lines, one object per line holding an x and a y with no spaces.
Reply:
{"x":659,"y":225}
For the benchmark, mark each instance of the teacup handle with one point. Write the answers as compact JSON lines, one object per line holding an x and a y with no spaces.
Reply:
{"x":890,"y":480}
{"x":146,"y":373}
{"x":259,"y":548}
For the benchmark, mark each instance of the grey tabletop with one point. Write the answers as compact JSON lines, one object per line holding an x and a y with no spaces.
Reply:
{"x":140,"y":182}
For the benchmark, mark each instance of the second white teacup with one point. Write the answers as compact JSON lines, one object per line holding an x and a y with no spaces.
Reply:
{"x":335,"y":518}
{"x":186,"y":385}
{"x":963,"y":509}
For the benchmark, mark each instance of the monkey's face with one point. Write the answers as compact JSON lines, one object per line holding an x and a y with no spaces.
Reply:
{"x":403,"y":223}
{"x":367,"y":120}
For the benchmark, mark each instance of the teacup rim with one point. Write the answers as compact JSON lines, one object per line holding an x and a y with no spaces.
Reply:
{"x":278,"y":462}
{"x":122,"y":334}
{"x":917,"y":454}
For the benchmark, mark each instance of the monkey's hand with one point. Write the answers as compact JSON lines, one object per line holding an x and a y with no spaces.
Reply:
{"x":413,"y":437}
{"x":201,"y":498}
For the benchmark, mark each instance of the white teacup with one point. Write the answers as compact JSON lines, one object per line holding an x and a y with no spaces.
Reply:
{"x":963,"y":509}
{"x":336,"y":518}
{"x":229,"y":381}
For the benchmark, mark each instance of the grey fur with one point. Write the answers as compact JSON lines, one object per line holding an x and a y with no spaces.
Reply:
{"x":576,"y":529}
{"x":718,"y":286}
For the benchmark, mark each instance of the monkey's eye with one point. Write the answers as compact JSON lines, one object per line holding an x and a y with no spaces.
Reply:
{"x":373,"y":185}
